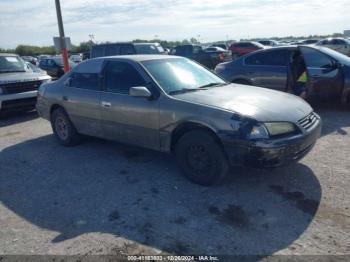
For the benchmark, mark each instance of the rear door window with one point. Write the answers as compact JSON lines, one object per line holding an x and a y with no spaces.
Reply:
{"x":127,"y":50}
{"x":197,"y":49}
{"x":90,"y":81}
{"x":269,"y":58}
{"x":240,"y":45}
{"x":112,"y":50}
{"x":98,"y":51}
{"x":183,"y":50}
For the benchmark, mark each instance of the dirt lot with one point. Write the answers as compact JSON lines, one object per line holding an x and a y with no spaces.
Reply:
{"x":105,"y":198}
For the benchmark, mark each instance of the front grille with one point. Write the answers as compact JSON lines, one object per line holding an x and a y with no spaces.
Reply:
{"x":20,"y":87}
{"x":309,"y":121}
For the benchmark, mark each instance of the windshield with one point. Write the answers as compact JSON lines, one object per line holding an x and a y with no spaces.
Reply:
{"x":264,"y":42}
{"x":337,"y":55}
{"x":176,"y":74}
{"x":11,"y":64}
{"x":149,"y":49}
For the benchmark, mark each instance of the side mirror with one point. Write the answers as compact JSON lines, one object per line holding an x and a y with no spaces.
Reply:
{"x":140,"y":91}
{"x":336,"y":65}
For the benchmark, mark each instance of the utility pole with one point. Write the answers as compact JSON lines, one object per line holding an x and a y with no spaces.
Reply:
{"x":62,"y":37}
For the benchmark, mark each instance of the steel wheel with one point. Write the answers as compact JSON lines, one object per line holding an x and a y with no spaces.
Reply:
{"x":198,"y":158}
{"x":61,"y":127}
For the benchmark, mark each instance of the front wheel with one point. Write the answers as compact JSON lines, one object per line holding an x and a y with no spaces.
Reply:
{"x":201,"y":158}
{"x":63,"y":128}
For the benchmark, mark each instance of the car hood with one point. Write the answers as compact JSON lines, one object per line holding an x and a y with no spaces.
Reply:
{"x":6,"y":78}
{"x":255,"y":102}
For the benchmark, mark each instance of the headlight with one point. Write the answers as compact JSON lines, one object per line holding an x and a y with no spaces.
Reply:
{"x":258,"y":132}
{"x":279,"y":128}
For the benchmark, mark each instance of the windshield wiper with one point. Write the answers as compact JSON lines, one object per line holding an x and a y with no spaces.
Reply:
{"x":183,"y":90}
{"x":213,"y":84}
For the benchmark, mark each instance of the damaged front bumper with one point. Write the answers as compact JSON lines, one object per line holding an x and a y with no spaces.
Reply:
{"x":269,"y":153}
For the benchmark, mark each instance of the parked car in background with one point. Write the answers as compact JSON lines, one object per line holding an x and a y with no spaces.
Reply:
{"x":41,"y":57}
{"x":54,"y":66}
{"x":341,"y":45}
{"x":76,"y":58}
{"x":218,"y":54}
{"x":328,"y":71}
{"x":223,"y":46}
{"x":241,"y":48}
{"x":310,"y":41}
{"x":30,"y":59}
{"x":174,"y":105}
{"x":126,"y":49}
{"x":86,"y":55}
{"x":268,"y":42}
{"x":18,"y":83}
{"x":209,"y":58}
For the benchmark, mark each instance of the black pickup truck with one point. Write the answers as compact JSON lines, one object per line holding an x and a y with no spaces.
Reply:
{"x":196,"y":52}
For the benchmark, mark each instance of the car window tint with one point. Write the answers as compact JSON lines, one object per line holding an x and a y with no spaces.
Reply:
{"x":270,"y":58}
{"x":112,"y":50}
{"x":120,"y":76}
{"x":98,"y":51}
{"x":314,"y":58}
{"x":183,"y":50}
{"x":147,"y":49}
{"x":240,"y":45}
{"x":50,"y":62}
{"x":197,"y":49}
{"x":127,"y":50}
{"x":339,"y":42}
{"x":85,"y":81}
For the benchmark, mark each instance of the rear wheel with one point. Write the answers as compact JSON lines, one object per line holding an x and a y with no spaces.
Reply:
{"x":201,"y":158}
{"x":64,"y":130}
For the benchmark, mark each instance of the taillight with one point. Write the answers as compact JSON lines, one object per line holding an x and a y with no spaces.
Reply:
{"x":222,"y":56}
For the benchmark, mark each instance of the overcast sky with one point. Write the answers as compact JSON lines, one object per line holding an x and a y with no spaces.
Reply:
{"x":34,"y":21}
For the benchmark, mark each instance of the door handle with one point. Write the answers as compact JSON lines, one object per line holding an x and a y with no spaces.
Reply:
{"x":106,"y":104}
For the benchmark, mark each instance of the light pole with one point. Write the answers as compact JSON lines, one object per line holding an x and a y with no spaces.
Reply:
{"x":62,"y":38}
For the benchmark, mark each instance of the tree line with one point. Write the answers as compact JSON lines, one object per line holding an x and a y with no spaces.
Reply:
{"x":85,"y":46}
{"x":30,"y":50}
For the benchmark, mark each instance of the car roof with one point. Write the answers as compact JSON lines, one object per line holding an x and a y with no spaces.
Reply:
{"x":137,"y":58}
{"x":126,"y":43}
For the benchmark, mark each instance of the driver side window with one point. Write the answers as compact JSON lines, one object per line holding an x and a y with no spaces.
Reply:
{"x":121,"y":76}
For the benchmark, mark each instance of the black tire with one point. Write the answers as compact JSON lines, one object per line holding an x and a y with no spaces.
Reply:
{"x":63,"y":128}
{"x":201,"y":158}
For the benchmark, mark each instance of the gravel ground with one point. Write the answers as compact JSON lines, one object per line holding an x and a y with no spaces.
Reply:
{"x":106,"y":198}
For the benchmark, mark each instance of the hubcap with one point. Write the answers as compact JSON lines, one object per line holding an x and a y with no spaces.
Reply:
{"x":61,"y":127}
{"x":198,"y":158}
